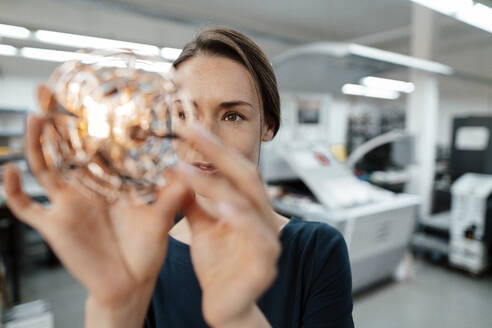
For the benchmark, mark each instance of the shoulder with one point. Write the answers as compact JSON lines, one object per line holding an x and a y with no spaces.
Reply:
{"x":307,"y":234}
{"x":322,"y":257}
{"x":318,"y":244}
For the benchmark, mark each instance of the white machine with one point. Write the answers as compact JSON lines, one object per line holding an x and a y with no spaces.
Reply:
{"x":377,"y":224}
{"x":470,"y":227}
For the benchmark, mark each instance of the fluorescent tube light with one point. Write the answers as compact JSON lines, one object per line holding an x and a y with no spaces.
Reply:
{"x":15,"y":32}
{"x":62,"y":56}
{"x":170,"y":54}
{"x":446,"y":7}
{"x":53,"y":55}
{"x":82,"y":41}
{"x":479,"y":16}
{"x":360,"y":90}
{"x":6,"y":50}
{"x":399,"y":59}
{"x":387,"y":84}
{"x":467,"y":11}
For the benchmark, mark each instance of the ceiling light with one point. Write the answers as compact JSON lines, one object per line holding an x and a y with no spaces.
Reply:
{"x":399,"y":59}
{"x":15,"y":32}
{"x":467,"y":11}
{"x":446,"y":7}
{"x":479,"y":16}
{"x":6,"y":50}
{"x":52,"y":55}
{"x":82,"y":41}
{"x":387,"y":84}
{"x":170,"y":54}
{"x":360,"y":90}
{"x":62,"y":56}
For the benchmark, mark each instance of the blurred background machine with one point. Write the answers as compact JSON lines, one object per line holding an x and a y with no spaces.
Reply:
{"x":461,"y":228}
{"x":309,"y":179}
{"x":309,"y":171}
{"x":471,"y":222}
{"x":312,"y":185}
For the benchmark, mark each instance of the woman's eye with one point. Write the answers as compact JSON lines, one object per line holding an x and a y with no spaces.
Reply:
{"x":232,"y":116}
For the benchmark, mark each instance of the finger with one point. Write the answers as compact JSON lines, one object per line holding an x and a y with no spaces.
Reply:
{"x":223,"y":194}
{"x":46,"y":99}
{"x":50,"y":181}
{"x":222,"y":191}
{"x":156,"y":218}
{"x":230,"y":217}
{"x":198,"y":218}
{"x":173,"y":196}
{"x":21,"y":205}
{"x":211,"y":187}
{"x":241,"y":172}
{"x":256,"y":230}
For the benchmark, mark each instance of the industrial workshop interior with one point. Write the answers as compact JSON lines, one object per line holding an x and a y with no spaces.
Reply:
{"x":261,"y":163}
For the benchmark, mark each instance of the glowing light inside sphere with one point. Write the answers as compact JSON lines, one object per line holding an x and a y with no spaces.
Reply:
{"x":109,"y":122}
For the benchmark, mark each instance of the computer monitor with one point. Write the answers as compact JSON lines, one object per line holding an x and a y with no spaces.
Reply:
{"x":471,"y":147}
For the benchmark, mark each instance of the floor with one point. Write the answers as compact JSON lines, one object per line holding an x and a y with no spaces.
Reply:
{"x":436,"y":297}
{"x":65,"y":295}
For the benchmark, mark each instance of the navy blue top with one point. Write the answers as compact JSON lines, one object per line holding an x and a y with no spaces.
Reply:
{"x":313,"y":287}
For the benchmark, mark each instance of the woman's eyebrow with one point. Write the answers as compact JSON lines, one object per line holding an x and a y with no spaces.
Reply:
{"x":233,"y":103}
{"x":225,"y":104}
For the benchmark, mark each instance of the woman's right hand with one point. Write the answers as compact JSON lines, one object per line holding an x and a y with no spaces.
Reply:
{"x":114,"y":250}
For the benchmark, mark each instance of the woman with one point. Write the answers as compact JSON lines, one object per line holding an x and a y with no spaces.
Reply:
{"x":231,"y":261}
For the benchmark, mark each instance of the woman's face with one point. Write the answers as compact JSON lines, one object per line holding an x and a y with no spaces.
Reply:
{"x":225,"y":102}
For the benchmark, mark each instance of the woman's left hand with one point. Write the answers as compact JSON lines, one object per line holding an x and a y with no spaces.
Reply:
{"x":235,"y":243}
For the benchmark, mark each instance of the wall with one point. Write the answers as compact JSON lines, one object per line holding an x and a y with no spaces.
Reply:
{"x":463,"y":96}
{"x":19,"y":92}
{"x":460,"y":98}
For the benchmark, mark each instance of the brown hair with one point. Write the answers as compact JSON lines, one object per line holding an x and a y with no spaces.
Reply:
{"x":238,"y":47}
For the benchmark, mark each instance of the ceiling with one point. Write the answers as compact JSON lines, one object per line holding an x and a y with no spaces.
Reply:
{"x":276,"y":25}
{"x":305,"y":20}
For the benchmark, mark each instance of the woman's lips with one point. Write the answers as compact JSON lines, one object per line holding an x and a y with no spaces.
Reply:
{"x":204,"y":167}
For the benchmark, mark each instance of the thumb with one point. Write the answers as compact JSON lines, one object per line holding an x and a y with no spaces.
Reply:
{"x":46,"y":98}
{"x":198,"y":217}
{"x":175,"y":195}
{"x":21,"y":205}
